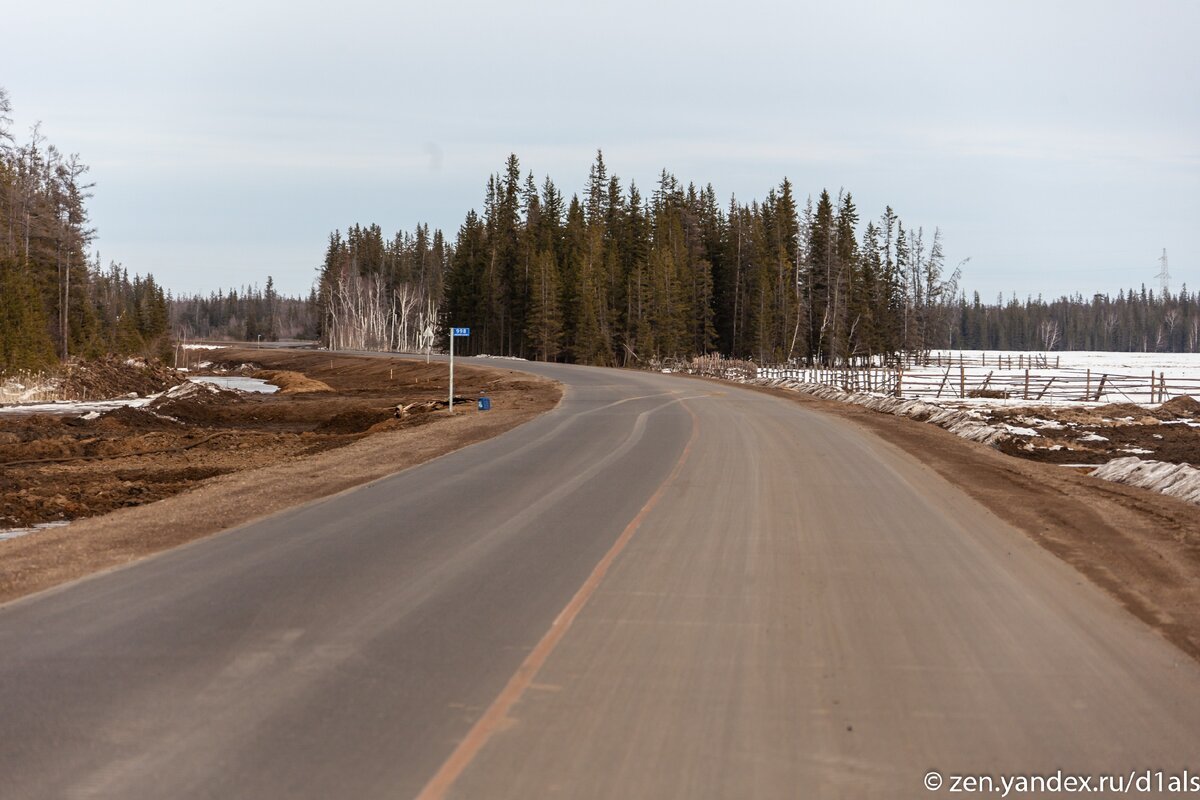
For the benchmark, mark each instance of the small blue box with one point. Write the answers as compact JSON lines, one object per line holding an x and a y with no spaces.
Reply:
{"x":485,"y":404}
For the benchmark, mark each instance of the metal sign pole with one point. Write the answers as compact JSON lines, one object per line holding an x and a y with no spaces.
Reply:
{"x":454,"y":333}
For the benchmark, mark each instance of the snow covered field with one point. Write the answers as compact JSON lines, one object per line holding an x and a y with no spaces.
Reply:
{"x":1172,"y":364}
{"x":991,"y":376}
{"x":984,"y":378}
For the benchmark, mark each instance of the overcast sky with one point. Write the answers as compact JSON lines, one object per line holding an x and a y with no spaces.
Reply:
{"x":1057,"y":144}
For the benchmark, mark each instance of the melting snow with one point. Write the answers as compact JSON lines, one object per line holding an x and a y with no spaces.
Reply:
{"x":78,"y":408}
{"x":1177,"y":480}
{"x":13,"y":533}
{"x":1017,"y":431}
{"x":1048,"y":424}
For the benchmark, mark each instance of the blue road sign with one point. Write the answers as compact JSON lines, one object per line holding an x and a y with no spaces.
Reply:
{"x":460,"y":331}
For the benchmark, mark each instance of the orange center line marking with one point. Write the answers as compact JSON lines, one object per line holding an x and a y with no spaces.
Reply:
{"x":496,"y":717}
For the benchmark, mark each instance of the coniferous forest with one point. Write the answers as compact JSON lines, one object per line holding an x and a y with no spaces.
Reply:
{"x":1134,"y":321}
{"x":619,"y":277}
{"x":248,"y":314}
{"x":55,"y":299}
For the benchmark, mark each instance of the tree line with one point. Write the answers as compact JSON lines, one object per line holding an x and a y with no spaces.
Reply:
{"x":607,"y":277}
{"x":614,"y":277}
{"x":249,"y":314}
{"x":382,"y":293}
{"x":1135,"y":320}
{"x":56,"y":300}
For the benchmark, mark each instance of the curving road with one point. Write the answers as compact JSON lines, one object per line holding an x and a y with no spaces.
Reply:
{"x":664,"y":589}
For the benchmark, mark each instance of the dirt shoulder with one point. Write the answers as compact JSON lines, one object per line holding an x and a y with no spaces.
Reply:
{"x":139,"y":481}
{"x":1141,"y":547}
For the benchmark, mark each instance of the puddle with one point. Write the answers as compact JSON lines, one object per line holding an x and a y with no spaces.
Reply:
{"x":238,"y":382}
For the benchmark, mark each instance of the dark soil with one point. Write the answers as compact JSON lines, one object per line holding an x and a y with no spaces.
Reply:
{"x":61,"y":468}
{"x":1170,"y":432}
{"x":111,"y":376}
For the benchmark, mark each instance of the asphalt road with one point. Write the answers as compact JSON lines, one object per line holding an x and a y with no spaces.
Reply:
{"x":664,"y":588}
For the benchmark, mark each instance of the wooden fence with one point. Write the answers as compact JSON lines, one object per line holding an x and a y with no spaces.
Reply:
{"x":960,"y":379}
{"x":1069,"y":385}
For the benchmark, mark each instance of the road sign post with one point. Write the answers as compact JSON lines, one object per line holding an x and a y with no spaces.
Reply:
{"x":454,"y":334}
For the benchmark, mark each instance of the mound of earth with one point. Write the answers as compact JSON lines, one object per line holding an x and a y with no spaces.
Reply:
{"x":1184,"y":406}
{"x":359,"y":420}
{"x":196,"y":403}
{"x":291,"y":382}
{"x":125,"y":420}
{"x":111,"y":376}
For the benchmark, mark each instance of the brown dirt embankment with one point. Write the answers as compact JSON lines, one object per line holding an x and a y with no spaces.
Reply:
{"x":292,"y":382}
{"x":1140,"y":546}
{"x":199,"y":460}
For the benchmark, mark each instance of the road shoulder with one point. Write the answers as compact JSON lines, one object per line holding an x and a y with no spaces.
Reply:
{"x":1141,"y":547}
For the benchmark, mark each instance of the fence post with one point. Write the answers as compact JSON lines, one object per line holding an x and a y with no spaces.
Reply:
{"x":962,"y":382}
{"x":900,"y":381}
{"x":1088,"y":392}
{"x":1025,"y":396}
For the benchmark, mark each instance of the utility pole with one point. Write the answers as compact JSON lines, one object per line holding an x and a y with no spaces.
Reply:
{"x":1164,"y":276}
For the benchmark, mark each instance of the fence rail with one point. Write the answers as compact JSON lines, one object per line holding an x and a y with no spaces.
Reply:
{"x":960,"y":379}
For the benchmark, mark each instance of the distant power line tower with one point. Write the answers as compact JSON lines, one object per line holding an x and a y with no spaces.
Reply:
{"x":1164,"y":275}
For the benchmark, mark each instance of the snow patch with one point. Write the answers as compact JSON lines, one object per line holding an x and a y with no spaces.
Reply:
{"x":14,"y":390}
{"x":1177,"y":480}
{"x":1048,"y":424}
{"x":70,"y":408}
{"x":1018,"y":431}
{"x":13,"y":533}
{"x":965,"y":423}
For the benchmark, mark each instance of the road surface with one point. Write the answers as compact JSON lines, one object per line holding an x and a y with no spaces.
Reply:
{"x":665,"y":588}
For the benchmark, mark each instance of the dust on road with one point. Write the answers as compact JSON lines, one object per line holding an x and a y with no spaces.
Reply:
{"x":1140,"y":546}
